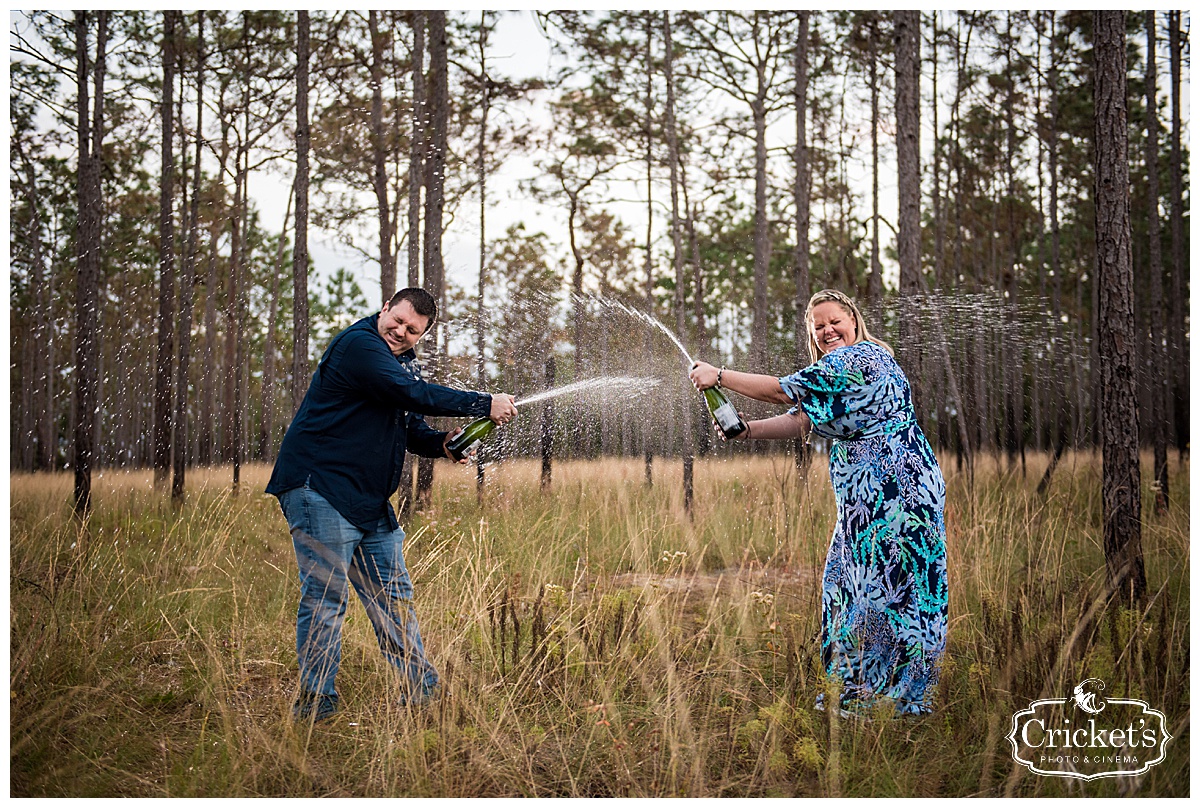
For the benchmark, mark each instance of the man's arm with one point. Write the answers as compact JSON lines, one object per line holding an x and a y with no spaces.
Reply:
{"x":369,"y":368}
{"x":424,"y":440}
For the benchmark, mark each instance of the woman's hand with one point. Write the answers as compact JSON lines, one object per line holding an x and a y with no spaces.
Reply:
{"x":743,"y":435}
{"x":703,"y":375}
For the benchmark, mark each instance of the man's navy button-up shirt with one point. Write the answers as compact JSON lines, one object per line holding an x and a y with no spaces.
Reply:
{"x":363,"y":408}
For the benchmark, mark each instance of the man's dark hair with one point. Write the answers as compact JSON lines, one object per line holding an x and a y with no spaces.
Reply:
{"x":421,"y":301}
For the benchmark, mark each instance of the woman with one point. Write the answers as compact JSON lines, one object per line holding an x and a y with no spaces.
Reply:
{"x":883,"y":604}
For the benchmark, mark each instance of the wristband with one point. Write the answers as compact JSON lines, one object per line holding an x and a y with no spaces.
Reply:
{"x":719,"y":372}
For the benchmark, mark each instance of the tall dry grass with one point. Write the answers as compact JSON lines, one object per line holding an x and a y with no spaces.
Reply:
{"x":593,"y":640}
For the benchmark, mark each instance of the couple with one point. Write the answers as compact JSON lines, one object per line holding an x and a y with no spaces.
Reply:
{"x":884,"y":590}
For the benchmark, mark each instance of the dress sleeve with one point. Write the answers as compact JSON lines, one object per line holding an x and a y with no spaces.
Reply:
{"x":819,"y":389}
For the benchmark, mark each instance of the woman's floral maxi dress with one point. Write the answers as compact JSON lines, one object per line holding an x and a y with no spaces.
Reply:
{"x":883,"y":615}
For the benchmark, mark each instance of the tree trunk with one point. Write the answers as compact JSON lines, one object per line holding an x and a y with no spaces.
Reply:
{"x":387,"y":261}
{"x":238,"y":263}
{"x":647,"y":434}
{"x":689,"y":449}
{"x":415,"y":181}
{"x":239,"y":353}
{"x":1011,"y":360}
{"x":21,"y":448}
{"x":1161,"y":389}
{"x":485,"y":88}
{"x":435,"y":170}
{"x":416,"y":162}
{"x":417,"y":151}
{"x":1117,"y":338}
{"x":1039,"y":357}
{"x":49,"y":450}
{"x":228,"y":408}
{"x":166,"y":262}
{"x":213,"y":403}
{"x":185,"y":214}
{"x":944,"y":439}
{"x":300,"y":248}
{"x":704,"y":435}
{"x":1180,"y":369}
{"x":22,"y":444}
{"x":974,"y":414}
{"x":1080,"y":426}
{"x":434,"y":203}
{"x":908,"y":160}
{"x":875,"y":281}
{"x":762,"y":234}
{"x":577,"y":298}
{"x":1061,"y":403}
{"x":87,"y":251}
{"x":547,"y":431}
{"x":188,"y":285}
{"x":801,"y":195}
{"x":939,"y":224}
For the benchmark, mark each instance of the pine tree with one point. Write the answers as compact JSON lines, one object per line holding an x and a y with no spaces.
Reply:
{"x":1118,"y":406}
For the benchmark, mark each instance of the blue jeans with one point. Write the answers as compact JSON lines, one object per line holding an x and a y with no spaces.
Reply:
{"x":331,"y":552}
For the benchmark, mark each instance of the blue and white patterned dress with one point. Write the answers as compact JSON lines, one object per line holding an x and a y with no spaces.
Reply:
{"x":883,"y":615}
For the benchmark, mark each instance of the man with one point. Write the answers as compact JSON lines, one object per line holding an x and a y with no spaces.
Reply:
{"x":338,"y":465}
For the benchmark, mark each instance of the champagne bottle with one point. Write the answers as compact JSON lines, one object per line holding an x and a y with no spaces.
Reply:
{"x":723,"y":413}
{"x":471,"y":436}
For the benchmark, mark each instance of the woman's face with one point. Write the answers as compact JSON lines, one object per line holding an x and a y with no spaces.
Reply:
{"x":833,"y":326}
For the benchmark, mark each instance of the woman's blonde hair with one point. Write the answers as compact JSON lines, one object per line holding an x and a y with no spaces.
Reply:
{"x":860,"y":326}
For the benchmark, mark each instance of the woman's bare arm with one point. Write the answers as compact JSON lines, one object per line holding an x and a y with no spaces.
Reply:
{"x":781,"y":426}
{"x":752,"y":385}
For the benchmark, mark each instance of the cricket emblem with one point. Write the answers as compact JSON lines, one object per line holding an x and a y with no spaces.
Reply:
{"x":1086,"y":696}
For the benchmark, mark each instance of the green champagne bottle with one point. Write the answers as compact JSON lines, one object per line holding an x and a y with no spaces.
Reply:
{"x":723,"y":413}
{"x":471,"y":436}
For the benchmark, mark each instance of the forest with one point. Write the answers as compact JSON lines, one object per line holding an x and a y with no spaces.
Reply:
{"x":202,"y":200}
{"x":681,"y":156}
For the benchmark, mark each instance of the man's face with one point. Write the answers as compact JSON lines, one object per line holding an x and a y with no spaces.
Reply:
{"x":401,"y":327}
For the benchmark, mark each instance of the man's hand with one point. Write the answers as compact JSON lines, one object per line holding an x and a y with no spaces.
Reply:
{"x":503,"y":409}
{"x":446,"y":447}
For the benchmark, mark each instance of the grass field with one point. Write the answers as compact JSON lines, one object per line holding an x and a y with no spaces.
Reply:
{"x":593,"y":641}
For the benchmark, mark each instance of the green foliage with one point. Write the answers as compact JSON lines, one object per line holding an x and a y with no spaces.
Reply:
{"x":339,"y":304}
